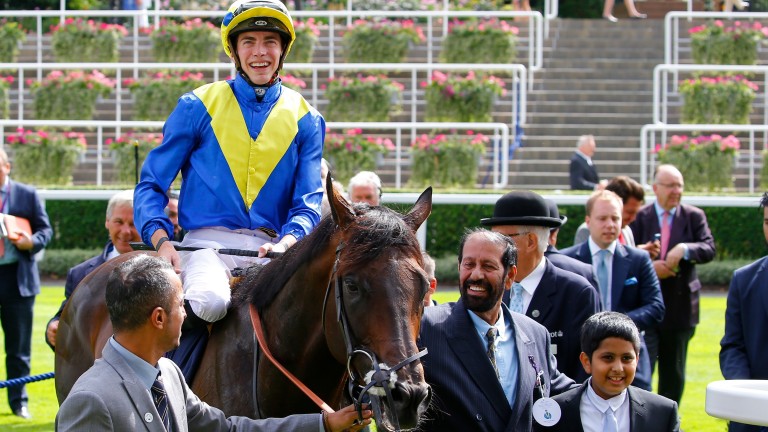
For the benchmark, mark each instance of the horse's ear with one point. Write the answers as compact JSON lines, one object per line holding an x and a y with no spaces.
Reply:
{"x":420,"y":211}
{"x":341,"y":210}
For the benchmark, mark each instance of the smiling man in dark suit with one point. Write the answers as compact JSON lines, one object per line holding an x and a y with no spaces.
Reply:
{"x":631,"y":285}
{"x":19,"y":278}
{"x":557,"y":299}
{"x":743,"y":350}
{"x":483,"y":360}
{"x":685,"y":241}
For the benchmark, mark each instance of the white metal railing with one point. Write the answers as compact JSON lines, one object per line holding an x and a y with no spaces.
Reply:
{"x":534,"y":39}
{"x":648,"y":142}
{"x":499,"y":134}
{"x":673,"y":39}
{"x":517,"y":94}
{"x":663,"y":88}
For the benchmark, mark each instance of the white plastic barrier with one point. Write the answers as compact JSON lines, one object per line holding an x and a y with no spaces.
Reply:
{"x":742,"y":401}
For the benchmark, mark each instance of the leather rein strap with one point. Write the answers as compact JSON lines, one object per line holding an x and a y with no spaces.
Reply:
{"x":256,"y":322}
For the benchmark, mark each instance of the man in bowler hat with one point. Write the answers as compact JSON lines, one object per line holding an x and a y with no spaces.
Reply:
{"x":564,"y":261}
{"x":557,"y":299}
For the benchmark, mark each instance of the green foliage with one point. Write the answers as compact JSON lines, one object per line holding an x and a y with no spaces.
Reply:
{"x":717,"y":100}
{"x":303,"y":46}
{"x":352,"y":152}
{"x":57,"y":262}
{"x":719,"y":272}
{"x":706,"y":162}
{"x":11,"y":34}
{"x":71,"y":96}
{"x":580,"y":9}
{"x":77,"y":224}
{"x":44,"y":158}
{"x":194,"y":41}
{"x":446,"y":160}
{"x":157,"y":94}
{"x":764,"y":172}
{"x":124,"y":150}
{"x":86,"y":41}
{"x":461,"y":99}
{"x":380,"y":41}
{"x":5,"y":100}
{"x":362,"y":98}
{"x":716,"y":43}
{"x":487,"y":41}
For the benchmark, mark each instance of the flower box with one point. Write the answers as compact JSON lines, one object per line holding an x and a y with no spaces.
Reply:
{"x":80,"y":41}
{"x":303,"y":46}
{"x":5,"y":100}
{"x":484,"y":41}
{"x":157,"y":94}
{"x":45,"y":158}
{"x":293,"y":83}
{"x":362,"y":98}
{"x":717,"y":100}
{"x":125,"y":150}
{"x":382,"y":41}
{"x":446,"y":160}
{"x":11,"y":36}
{"x":193,"y":41}
{"x":716,"y":43}
{"x":70,"y":96}
{"x":352,"y":152}
{"x":706,"y":161}
{"x":461,"y":99}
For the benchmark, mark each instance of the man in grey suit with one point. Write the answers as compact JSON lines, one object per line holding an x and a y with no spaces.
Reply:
{"x":133,"y":387}
{"x":484,"y":361}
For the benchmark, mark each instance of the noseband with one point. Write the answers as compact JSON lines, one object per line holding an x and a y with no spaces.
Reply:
{"x":381,"y":379}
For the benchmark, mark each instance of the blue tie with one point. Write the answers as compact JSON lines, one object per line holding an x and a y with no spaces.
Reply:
{"x":516,"y":304}
{"x":610,"y":423}
{"x":602,"y":277}
{"x":161,"y":401}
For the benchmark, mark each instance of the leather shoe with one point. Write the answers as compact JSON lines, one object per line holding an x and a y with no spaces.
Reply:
{"x":22,"y":412}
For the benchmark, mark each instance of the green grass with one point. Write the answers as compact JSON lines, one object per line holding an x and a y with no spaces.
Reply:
{"x":703,"y":367}
{"x":703,"y":363}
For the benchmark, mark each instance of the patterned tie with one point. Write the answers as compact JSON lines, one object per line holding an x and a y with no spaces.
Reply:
{"x":602,"y":277}
{"x":516,"y":304}
{"x":490,"y":336}
{"x":610,"y":424}
{"x":161,"y":401}
{"x":665,"y":233}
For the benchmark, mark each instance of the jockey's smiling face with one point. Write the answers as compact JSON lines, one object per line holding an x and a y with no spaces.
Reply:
{"x":121,"y":229}
{"x":259,"y":54}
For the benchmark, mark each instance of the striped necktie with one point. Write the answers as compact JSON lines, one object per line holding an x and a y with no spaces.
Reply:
{"x":161,"y":401}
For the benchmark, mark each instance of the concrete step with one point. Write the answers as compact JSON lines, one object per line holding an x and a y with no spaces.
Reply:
{"x":601,"y":119}
{"x":607,"y":84}
{"x":554,"y":107}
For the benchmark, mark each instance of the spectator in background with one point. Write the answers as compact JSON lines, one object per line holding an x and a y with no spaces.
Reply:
{"x":19,"y":278}
{"x":743,"y":350}
{"x":563,"y":261}
{"x":582,"y":169}
{"x":429,"y":269}
{"x":365,"y":187}
{"x":119,"y":224}
{"x":625,"y":275}
{"x":631,"y":10}
{"x":632,"y":196}
{"x":685,"y":241}
{"x":172,"y":211}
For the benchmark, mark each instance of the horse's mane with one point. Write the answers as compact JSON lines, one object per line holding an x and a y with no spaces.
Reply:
{"x":375,"y":230}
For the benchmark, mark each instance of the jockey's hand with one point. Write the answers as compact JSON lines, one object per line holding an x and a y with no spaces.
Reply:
{"x":281,"y":246}
{"x":346,"y":419}
{"x":167,"y":250}
{"x":50,"y":332}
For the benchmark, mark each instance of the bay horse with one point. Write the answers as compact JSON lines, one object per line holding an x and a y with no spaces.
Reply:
{"x":362,"y":262}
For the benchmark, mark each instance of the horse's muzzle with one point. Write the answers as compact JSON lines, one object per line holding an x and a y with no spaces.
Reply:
{"x":410,"y":402}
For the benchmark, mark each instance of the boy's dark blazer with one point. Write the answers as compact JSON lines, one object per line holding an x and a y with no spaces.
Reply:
{"x":648,"y":412}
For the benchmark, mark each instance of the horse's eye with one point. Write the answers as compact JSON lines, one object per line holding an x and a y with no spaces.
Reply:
{"x":350,"y":284}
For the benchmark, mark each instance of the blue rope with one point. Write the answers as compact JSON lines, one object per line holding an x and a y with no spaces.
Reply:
{"x":24,"y":380}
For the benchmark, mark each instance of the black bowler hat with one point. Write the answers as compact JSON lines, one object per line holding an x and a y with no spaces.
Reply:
{"x":555,"y":213}
{"x":522,"y":208}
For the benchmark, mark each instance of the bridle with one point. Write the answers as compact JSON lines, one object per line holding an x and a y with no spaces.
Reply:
{"x":381,"y":378}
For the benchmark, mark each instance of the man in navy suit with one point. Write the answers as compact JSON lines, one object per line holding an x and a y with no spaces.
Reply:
{"x":743,"y":350}
{"x":631,"y":287}
{"x":19,"y":279}
{"x":582,"y":169}
{"x":122,"y":232}
{"x":685,"y":241}
{"x":484,"y":362}
{"x":557,"y":299}
{"x":557,"y":258}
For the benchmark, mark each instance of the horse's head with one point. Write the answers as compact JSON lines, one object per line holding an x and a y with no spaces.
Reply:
{"x":378,"y":285}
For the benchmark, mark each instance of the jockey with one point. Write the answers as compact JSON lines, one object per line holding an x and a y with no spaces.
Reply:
{"x":249,"y":152}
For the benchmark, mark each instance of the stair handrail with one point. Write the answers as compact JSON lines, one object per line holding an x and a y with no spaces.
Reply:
{"x":500,"y":138}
